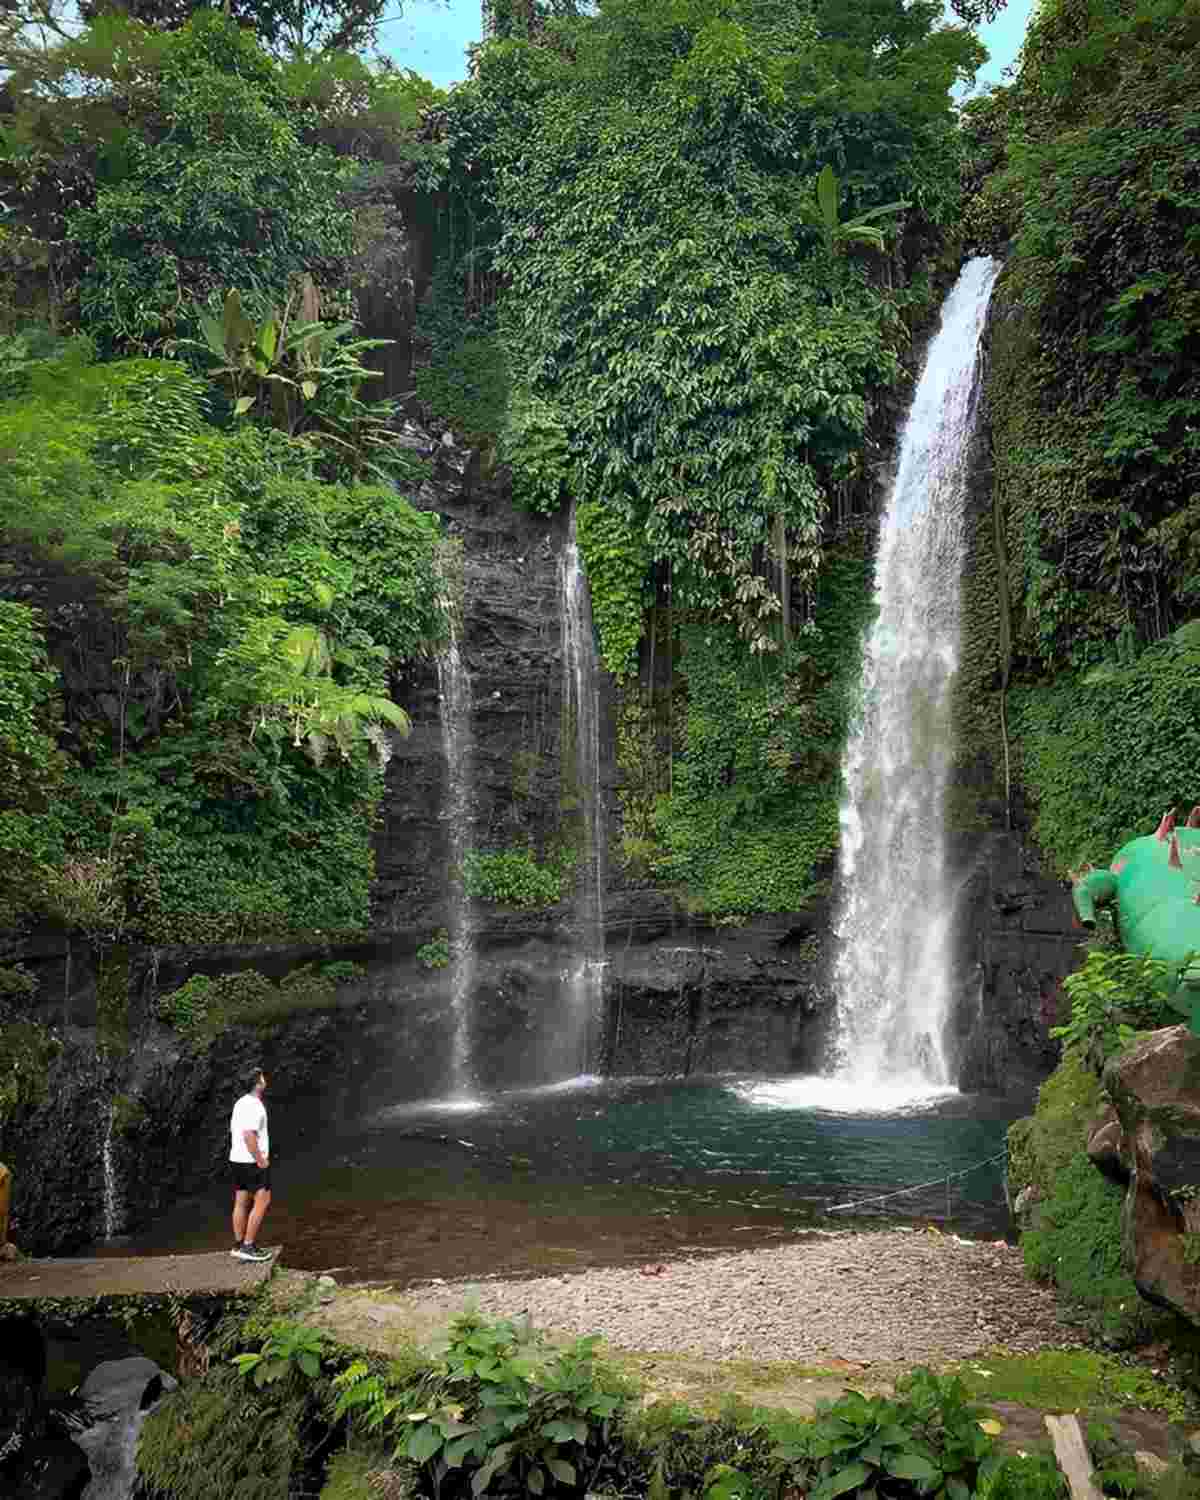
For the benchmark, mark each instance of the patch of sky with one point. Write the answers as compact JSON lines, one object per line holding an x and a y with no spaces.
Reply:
{"x":432,"y":37}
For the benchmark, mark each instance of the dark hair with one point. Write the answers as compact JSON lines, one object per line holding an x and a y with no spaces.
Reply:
{"x":251,"y":1077}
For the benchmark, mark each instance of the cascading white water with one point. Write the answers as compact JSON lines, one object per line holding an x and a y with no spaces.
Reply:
{"x":584,"y":980}
{"x":113,"y":1208}
{"x":894,"y":927}
{"x":454,"y":684}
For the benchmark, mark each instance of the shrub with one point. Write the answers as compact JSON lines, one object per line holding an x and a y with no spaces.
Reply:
{"x":501,"y":1405}
{"x":204,"y":1007}
{"x":928,"y":1438}
{"x":1112,"y":995}
{"x":512,"y":877}
{"x":435,"y":954}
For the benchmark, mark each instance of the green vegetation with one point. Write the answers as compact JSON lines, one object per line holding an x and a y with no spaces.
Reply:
{"x":204,"y":1007}
{"x":26,"y":1052}
{"x":227,"y":593}
{"x":1075,"y":1238}
{"x":1083,"y":169}
{"x":221,"y":769}
{"x":212,"y":1440}
{"x":1109,"y":747}
{"x":435,"y":954}
{"x":928,"y":1438}
{"x":290,"y":1351}
{"x":1112,"y":996}
{"x":1071,"y":1380}
{"x":514,"y":877}
{"x":752,"y":823}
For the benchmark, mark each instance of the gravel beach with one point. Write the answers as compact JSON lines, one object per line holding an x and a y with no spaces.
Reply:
{"x":895,"y":1295}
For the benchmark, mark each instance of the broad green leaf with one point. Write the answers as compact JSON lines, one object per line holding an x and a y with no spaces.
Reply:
{"x":827,"y":197}
{"x":242,"y":405}
{"x":424,"y":1443}
{"x":845,"y":1480}
{"x":913,"y":1466}
{"x":562,"y":1470}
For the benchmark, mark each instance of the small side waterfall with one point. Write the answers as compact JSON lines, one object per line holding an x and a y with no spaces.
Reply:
{"x":114,"y":1209}
{"x":454,"y":698}
{"x":895,"y":923}
{"x":584,"y":980}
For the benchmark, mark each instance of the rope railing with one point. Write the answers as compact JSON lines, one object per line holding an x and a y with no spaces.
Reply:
{"x":920,"y":1187}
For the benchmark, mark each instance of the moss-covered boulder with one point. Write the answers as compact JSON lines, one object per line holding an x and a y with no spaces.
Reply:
{"x":1069,"y":1214}
{"x":1155,"y":1091}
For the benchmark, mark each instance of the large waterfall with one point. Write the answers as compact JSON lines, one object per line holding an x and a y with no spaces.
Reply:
{"x":584,"y":979}
{"x":895,"y":923}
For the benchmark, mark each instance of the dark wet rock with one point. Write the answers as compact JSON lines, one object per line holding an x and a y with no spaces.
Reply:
{"x":1016,"y":943}
{"x":1155,"y":1089}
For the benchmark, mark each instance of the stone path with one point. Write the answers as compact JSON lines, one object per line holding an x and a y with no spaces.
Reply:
{"x":132,"y":1276}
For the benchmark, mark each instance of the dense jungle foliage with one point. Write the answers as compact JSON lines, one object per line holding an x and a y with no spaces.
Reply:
{"x":685,"y":248}
{"x":1085,"y":170}
{"x":210,"y":569}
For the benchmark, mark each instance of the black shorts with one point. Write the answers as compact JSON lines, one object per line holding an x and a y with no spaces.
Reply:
{"x":250,"y":1178}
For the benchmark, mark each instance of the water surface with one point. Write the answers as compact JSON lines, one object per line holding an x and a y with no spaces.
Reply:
{"x":609,"y":1172}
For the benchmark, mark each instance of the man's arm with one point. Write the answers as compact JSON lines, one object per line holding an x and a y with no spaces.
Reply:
{"x":250,"y":1137}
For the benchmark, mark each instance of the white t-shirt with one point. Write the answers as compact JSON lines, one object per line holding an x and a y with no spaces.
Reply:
{"x":249,"y":1113}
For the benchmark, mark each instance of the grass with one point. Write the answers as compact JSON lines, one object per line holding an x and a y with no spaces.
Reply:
{"x":1072,"y":1380}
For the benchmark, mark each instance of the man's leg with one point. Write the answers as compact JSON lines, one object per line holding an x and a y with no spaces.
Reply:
{"x":241,"y":1211}
{"x":262,"y":1201}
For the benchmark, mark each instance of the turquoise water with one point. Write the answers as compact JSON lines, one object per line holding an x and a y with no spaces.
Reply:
{"x":611,"y":1172}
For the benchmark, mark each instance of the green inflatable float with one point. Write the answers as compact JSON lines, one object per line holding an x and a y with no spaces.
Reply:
{"x":1155,"y":882}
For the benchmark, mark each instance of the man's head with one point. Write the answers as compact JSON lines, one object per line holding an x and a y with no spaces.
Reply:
{"x":256,"y":1082}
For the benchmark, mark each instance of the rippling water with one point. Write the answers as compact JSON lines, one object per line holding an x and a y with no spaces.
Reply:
{"x":612,"y":1171}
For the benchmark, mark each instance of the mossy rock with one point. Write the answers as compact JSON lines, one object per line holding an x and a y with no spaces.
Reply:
{"x":1042,"y":1145}
{"x":1074,"y":1236}
{"x":365,"y":1474}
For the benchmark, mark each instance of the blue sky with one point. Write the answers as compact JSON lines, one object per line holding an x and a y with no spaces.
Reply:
{"x":432,"y":37}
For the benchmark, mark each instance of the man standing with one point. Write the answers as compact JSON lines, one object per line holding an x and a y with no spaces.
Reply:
{"x":250,"y":1163}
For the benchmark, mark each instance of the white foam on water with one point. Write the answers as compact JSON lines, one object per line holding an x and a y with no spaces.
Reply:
{"x":839,"y":1095}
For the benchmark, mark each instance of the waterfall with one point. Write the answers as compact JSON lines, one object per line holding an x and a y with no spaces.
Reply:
{"x":584,"y":980}
{"x":114,"y":1212}
{"x":895,"y":923}
{"x":454,"y":698}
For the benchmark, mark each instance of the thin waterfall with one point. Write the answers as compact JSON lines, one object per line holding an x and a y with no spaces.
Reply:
{"x":584,"y":980}
{"x":454,"y":699}
{"x":114,"y":1213}
{"x":893,"y":971}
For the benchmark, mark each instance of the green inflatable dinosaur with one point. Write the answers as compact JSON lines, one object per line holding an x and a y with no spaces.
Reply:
{"x":1155,"y":882}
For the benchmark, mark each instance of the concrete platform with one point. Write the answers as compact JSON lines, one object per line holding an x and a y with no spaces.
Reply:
{"x":134,"y":1276}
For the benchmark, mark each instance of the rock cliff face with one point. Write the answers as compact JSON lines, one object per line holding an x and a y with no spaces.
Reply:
{"x":680,"y":996}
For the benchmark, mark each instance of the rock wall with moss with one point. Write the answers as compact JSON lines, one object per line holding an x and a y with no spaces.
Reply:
{"x":1083,"y":634}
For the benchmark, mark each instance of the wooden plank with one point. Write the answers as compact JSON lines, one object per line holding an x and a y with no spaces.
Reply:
{"x":1073,"y":1458}
{"x":134,"y":1276}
